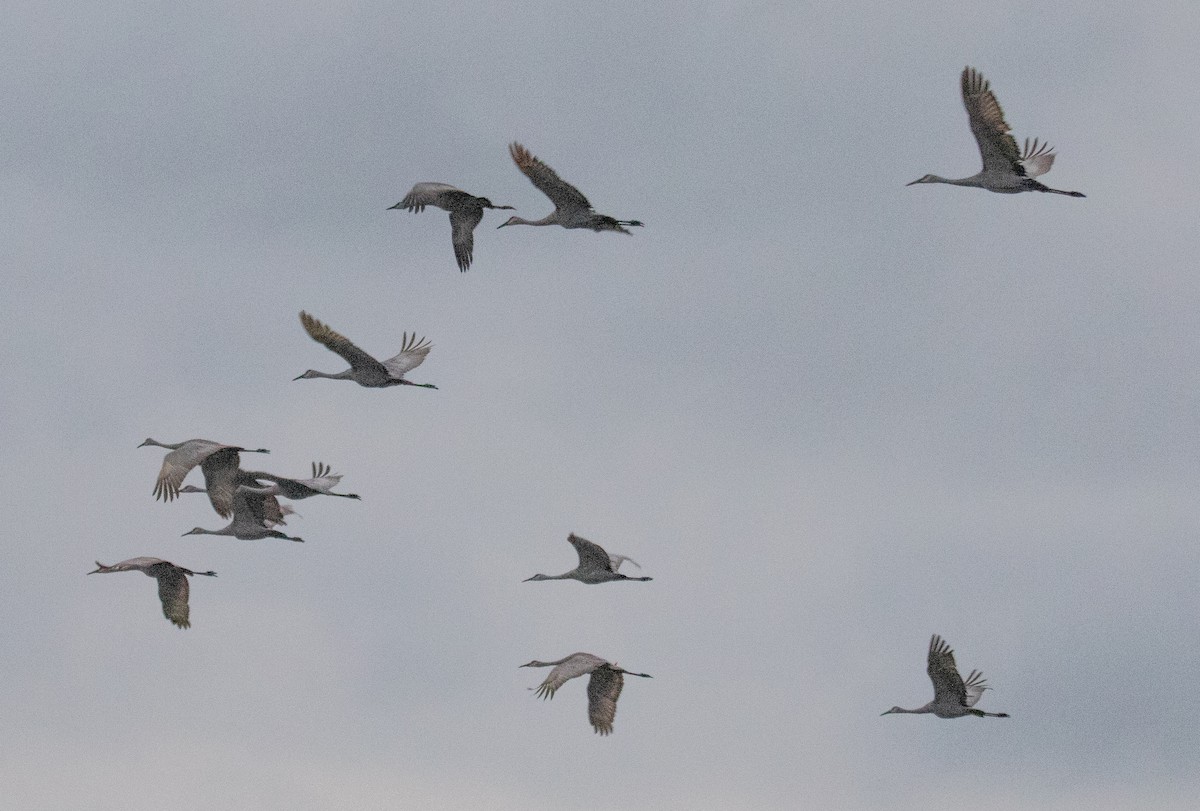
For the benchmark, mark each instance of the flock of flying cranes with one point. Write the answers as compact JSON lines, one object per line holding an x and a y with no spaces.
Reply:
{"x":250,"y":499}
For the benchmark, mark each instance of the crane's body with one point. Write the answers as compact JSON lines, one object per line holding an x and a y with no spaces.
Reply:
{"x":172,"y":583}
{"x":321,"y":484}
{"x":364,"y":369}
{"x":466,"y":211}
{"x":595,"y":565}
{"x":952,"y":697}
{"x":604,"y":686}
{"x":1006,"y":170}
{"x":218,"y":462}
{"x":571,"y":208}
{"x":254,"y":516}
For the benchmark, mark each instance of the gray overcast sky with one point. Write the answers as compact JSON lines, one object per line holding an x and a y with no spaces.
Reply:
{"x":830,"y":415}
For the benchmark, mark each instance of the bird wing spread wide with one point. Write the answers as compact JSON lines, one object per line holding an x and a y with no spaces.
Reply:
{"x":221,"y":479}
{"x":591,"y":555}
{"x":604,"y":688}
{"x":947,"y":684}
{"x":996,"y":144}
{"x":560,"y":192}
{"x":1036,"y":158}
{"x":339,"y":344}
{"x":617,"y":560}
{"x":462,"y":233}
{"x":576,"y":664}
{"x":173,"y":592}
{"x":178,"y":463}
{"x":412,"y":354}
{"x":974,"y":686}
{"x":442,"y":195}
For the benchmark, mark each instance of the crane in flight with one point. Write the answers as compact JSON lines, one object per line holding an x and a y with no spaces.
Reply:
{"x":466,"y":211}
{"x":218,"y":462}
{"x":1006,"y":169}
{"x":364,"y":369}
{"x":595,"y":565}
{"x":172,"y":583}
{"x":952,"y":697}
{"x":254,"y":515}
{"x":604,"y":686}
{"x":571,"y":208}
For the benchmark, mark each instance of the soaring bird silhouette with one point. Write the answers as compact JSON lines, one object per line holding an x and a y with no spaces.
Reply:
{"x":604,"y":686}
{"x":571,"y":208}
{"x":952,"y":697}
{"x":1006,"y":169}
{"x":218,"y":462}
{"x":466,"y":210}
{"x":595,"y":565}
{"x":364,"y":369}
{"x":172,"y":583}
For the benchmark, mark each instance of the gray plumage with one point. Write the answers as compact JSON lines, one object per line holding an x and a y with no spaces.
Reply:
{"x":952,"y":697}
{"x":466,"y":211}
{"x":364,"y":369}
{"x":218,"y":462}
{"x":172,"y":584}
{"x":595,"y":565}
{"x":571,"y":208}
{"x":604,"y":686}
{"x":1006,"y":169}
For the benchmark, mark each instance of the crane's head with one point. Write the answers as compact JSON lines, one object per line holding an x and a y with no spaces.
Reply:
{"x":196,"y":531}
{"x":536,"y":663}
{"x":311,"y":373}
{"x":925,"y":179}
{"x":102,"y":568}
{"x":510,"y":221}
{"x":147,"y":442}
{"x":538,"y":577}
{"x":894,"y":709}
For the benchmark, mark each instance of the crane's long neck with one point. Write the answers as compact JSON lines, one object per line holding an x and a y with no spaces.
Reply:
{"x":549,"y":219}
{"x":346,"y":375}
{"x":168,"y":445}
{"x":973,"y":180}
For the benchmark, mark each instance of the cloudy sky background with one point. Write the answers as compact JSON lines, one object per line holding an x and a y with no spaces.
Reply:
{"x":830,"y":415}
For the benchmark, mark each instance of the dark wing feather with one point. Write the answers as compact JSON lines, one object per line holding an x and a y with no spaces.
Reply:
{"x":943,"y":672}
{"x":591,"y":555}
{"x":339,"y":344}
{"x":173,"y":592}
{"x":996,"y":145}
{"x":604,"y":688}
{"x":560,"y":192}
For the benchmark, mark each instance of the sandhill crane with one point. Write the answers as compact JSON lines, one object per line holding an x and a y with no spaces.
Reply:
{"x":253,"y":516}
{"x":274,"y":513}
{"x":321,"y":484}
{"x":595,"y":565}
{"x":571,"y":208}
{"x":466,"y":210}
{"x":364,"y":369}
{"x":1005,"y":169}
{"x":952,"y":697}
{"x":604,"y":686}
{"x":172,"y":584}
{"x":218,"y":462}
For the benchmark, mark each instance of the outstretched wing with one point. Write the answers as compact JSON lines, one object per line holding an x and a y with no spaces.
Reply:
{"x":996,"y":144}
{"x":604,"y":688}
{"x":462,"y":232}
{"x":178,"y":463}
{"x":617,"y":560}
{"x":173,"y":592}
{"x":591,"y":555}
{"x":442,"y":195}
{"x":221,"y":479}
{"x":560,"y":192}
{"x":974,"y":686}
{"x":412,"y":354}
{"x":577,"y":664}
{"x":1037,"y":158}
{"x":340,"y":344}
{"x":947,"y":684}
